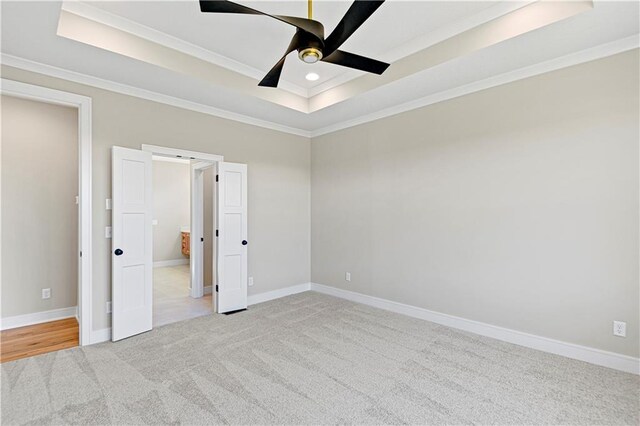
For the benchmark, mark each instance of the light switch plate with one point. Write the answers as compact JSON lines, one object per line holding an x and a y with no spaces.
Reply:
{"x":154,"y":222}
{"x":108,"y":203}
{"x":46,"y":293}
{"x":107,"y":232}
{"x":347,"y":276}
{"x":250,"y":281}
{"x":108,"y":307}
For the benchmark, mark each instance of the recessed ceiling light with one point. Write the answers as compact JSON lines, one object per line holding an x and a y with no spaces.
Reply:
{"x":312,"y":76}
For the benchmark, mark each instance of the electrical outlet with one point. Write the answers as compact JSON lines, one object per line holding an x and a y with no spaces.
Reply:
{"x":46,"y":293}
{"x":250,"y":281}
{"x":347,"y":276}
{"x":108,"y":307}
{"x":620,"y":328}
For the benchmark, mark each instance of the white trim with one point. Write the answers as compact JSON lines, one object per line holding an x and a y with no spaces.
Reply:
{"x":208,"y":289}
{"x":163,"y":39}
{"x":102,"y":335}
{"x":196,"y":249}
{"x":173,"y":262}
{"x":591,"y":54}
{"x":170,"y":159}
{"x":277,"y":294}
{"x":38,"y":317}
{"x":83,"y":103}
{"x":586,"y":55}
{"x":572,"y":59}
{"x":569,"y":350}
{"x":76,"y":77}
{"x":181,"y":153}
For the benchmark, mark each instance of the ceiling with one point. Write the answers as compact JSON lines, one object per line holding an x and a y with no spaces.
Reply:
{"x":172,"y":52}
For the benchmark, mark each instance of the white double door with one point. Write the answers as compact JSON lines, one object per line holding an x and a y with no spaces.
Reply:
{"x":132,"y":240}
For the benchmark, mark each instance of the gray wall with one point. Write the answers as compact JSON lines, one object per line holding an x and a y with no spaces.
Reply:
{"x":39,"y":213}
{"x":278,"y":179}
{"x":171,"y":208}
{"x":515,"y":206}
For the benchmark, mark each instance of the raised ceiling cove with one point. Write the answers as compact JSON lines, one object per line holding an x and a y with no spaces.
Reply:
{"x":171,"y":52}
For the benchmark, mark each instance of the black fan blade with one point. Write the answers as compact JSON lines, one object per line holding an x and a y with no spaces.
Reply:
{"x":359,"y":12}
{"x":351,"y":60}
{"x":225,"y":6}
{"x":273,"y":76}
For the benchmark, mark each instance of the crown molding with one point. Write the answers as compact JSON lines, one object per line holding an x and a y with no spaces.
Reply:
{"x":594,"y":53}
{"x":425,"y":41}
{"x":76,"y":77}
{"x":101,"y":16}
{"x":587,"y":55}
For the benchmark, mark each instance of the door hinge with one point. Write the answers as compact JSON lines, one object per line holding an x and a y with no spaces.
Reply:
{"x":201,"y":239}
{"x":80,"y":254}
{"x":216,"y":288}
{"x":216,"y":232}
{"x":216,"y":178}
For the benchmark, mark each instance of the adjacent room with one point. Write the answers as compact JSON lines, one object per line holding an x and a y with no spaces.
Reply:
{"x":320,"y":212}
{"x":173,"y":299}
{"x":39,"y":174}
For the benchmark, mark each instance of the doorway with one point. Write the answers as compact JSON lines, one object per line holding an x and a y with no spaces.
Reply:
{"x":61,"y":218}
{"x":217,"y":269}
{"x":183,"y":200}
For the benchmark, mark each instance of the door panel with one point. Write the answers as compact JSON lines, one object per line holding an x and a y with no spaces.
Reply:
{"x":231,"y":259}
{"x":132,"y":261}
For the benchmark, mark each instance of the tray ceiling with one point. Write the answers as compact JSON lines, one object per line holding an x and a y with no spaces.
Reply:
{"x":215,"y":61}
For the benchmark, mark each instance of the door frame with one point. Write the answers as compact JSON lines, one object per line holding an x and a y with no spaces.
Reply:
{"x":201,"y":161}
{"x":197,"y":226}
{"x":83,"y":104}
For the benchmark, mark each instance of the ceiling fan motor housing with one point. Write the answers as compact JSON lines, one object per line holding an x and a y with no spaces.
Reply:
{"x":310,"y":50}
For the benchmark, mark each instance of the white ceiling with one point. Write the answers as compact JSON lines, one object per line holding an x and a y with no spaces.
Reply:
{"x":259,"y":41}
{"x":250,"y":45}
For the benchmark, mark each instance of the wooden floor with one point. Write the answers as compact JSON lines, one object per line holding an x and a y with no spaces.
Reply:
{"x":38,"y":339}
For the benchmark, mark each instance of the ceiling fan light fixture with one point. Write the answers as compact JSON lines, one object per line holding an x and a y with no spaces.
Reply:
{"x":310,"y":55}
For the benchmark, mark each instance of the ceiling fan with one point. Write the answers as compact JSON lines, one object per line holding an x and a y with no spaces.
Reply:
{"x":309,"y":38}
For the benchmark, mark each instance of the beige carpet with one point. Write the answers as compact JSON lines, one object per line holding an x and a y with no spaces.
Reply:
{"x":312,"y":359}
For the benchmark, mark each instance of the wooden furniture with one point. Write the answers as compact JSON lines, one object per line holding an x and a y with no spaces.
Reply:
{"x":186,"y":243}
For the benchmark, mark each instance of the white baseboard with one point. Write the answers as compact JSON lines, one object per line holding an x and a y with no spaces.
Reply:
{"x":99,"y":336}
{"x":276,"y":294}
{"x":208,"y":289}
{"x":173,"y":262}
{"x":569,"y":350}
{"x":38,"y":317}
{"x":104,"y":335}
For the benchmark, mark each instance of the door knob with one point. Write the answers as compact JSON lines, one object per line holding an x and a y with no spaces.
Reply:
{"x":118,"y":252}
{"x":244,"y":242}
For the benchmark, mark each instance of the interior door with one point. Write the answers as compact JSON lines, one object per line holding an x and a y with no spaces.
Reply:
{"x":132,"y":258}
{"x":231,"y":259}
